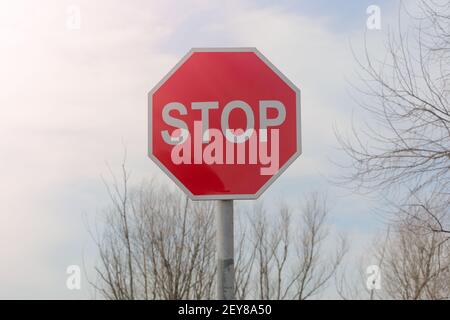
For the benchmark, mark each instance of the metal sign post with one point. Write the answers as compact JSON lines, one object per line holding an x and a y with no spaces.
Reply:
{"x":225,"y":250}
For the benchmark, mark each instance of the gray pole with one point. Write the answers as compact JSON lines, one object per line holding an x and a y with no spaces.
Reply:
{"x":225,"y":250}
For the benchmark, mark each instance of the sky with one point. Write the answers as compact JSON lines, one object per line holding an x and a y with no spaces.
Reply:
{"x":72,"y":99}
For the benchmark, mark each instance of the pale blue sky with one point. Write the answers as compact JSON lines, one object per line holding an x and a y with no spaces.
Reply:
{"x":70,"y":99}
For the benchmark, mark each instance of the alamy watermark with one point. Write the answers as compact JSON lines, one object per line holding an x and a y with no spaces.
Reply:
{"x":73,"y":17}
{"x":73,"y":281}
{"x":373,"y":280}
{"x":374,"y":19}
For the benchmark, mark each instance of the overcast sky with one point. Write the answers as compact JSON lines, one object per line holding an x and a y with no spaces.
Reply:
{"x":70,"y":99}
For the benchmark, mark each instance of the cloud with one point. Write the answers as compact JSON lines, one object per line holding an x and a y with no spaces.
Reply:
{"x":70,"y":100}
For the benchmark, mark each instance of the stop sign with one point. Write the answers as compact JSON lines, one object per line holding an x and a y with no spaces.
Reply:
{"x":224,"y":123}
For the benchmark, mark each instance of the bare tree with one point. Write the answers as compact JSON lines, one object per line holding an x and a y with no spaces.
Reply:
{"x":155,"y":244}
{"x":288,"y":257}
{"x":414,"y":263}
{"x":405,"y":148}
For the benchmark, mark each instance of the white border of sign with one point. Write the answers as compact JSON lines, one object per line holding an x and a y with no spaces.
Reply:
{"x":280,"y":170}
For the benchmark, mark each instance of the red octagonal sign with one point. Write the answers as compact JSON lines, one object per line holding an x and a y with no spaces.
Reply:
{"x":224,"y":123}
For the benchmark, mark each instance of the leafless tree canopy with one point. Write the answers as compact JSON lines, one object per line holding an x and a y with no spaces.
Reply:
{"x":414,"y":263}
{"x":283,"y":257}
{"x":155,"y":244}
{"x":403,"y":150}
{"x":406,"y":144}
